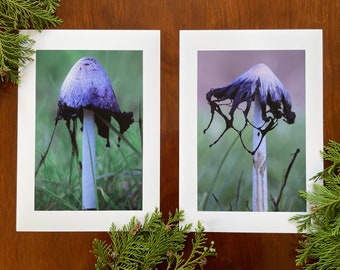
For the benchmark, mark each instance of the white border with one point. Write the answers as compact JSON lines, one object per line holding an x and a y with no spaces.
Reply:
{"x":193,"y":41}
{"x":146,"y":40}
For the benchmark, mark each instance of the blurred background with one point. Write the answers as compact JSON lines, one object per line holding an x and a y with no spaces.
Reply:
{"x":119,"y":169}
{"x":225,"y":169}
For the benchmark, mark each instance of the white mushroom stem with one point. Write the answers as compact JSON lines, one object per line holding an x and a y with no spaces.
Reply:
{"x":89,"y":161}
{"x":260,"y":197}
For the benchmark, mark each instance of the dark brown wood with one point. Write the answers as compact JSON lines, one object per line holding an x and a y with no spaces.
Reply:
{"x":236,"y":251}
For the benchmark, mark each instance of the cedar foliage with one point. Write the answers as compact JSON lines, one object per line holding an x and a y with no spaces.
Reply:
{"x":15,"y":49}
{"x":320,"y":248}
{"x":154,"y":243}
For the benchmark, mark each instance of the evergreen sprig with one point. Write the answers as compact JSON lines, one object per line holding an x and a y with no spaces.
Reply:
{"x":15,"y":49}
{"x":198,"y":255}
{"x":320,"y":248}
{"x":145,"y":246}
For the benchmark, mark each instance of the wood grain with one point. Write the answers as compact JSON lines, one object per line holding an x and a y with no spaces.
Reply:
{"x":236,"y":251}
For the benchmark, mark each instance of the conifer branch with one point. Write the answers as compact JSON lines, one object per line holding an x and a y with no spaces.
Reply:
{"x":145,"y":246}
{"x":15,"y":47}
{"x":320,"y":248}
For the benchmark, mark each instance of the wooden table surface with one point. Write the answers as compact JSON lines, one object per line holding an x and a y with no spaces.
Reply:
{"x":237,"y":251}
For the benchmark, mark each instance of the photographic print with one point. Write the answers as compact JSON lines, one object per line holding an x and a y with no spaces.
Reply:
{"x":255,"y":110}
{"x":85,"y":112}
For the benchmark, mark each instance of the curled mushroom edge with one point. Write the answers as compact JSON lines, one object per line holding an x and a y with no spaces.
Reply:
{"x":274,"y":99}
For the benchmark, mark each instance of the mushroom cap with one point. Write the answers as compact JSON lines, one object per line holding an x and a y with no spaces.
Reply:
{"x":88,"y":86}
{"x":259,"y":81}
{"x":275,"y":100}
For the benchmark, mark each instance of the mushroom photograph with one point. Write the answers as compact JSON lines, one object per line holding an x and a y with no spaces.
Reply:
{"x":89,"y":128}
{"x":251,"y":130}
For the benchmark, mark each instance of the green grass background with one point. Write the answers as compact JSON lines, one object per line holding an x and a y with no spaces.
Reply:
{"x":119,"y":169}
{"x":225,"y":169}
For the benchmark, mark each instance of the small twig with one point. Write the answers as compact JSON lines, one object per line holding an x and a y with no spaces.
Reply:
{"x":277,"y":201}
{"x":43,"y":157}
{"x":217,"y":201}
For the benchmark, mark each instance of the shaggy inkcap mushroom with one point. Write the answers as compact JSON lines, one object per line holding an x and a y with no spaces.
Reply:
{"x":87,"y":94}
{"x":261,"y":89}
{"x":274,"y":99}
{"x":87,"y":86}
